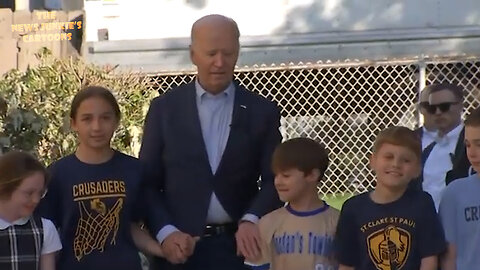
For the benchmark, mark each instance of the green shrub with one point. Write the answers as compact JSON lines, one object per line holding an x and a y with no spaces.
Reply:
{"x":35,"y":104}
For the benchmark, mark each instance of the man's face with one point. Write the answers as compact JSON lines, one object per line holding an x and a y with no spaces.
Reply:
{"x":446,"y":110}
{"x":214,"y":51}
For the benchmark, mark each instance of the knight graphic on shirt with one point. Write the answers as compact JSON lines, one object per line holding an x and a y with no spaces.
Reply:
{"x":389,"y":247}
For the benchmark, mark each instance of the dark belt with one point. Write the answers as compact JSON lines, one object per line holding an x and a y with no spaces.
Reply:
{"x":217,"y":229}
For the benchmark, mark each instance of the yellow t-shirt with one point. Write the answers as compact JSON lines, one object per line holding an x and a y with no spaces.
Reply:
{"x":294,"y":240}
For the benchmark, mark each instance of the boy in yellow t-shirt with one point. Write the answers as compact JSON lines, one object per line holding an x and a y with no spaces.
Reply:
{"x":299,"y":235}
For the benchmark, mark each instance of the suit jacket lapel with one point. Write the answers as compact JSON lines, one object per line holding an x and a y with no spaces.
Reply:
{"x":239,"y":126}
{"x":194,"y":127}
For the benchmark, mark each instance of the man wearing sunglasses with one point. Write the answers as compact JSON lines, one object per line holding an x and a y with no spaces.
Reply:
{"x":427,"y":132}
{"x":445,"y":159}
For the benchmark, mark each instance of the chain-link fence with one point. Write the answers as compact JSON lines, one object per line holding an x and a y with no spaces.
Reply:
{"x":344,"y":105}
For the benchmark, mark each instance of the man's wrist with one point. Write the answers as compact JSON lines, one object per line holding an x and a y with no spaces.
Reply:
{"x":249,"y":218}
{"x":165,"y":232}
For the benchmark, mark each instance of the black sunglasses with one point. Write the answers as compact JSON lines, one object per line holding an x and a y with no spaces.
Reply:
{"x":443,"y":107}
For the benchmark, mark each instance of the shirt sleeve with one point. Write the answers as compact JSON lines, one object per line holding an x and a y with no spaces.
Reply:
{"x":251,"y":218}
{"x":431,"y":237}
{"x":51,"y":239}
{"x":448,"y":215}
{"x":345,"y":244}
{"x":165,"y":232}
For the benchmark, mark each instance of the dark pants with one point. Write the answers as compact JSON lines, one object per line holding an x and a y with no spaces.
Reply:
{"x":211,"y":253}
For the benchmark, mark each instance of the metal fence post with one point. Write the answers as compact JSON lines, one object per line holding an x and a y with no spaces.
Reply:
{"x":422,"y":82}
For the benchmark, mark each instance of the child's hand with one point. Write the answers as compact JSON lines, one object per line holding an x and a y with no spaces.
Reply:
{"x":190,"y":248}
{"x":253,"y":259}
{"x":178,"y":246}
{"x":157,"y":250}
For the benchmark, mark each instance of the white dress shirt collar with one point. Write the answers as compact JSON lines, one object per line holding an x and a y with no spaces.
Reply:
{"x":452,"y":135}
{"x":201,"y":92}
{"x":5,"y":224}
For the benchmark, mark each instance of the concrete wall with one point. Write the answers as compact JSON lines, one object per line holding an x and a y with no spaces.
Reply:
{"x":24,"y":33}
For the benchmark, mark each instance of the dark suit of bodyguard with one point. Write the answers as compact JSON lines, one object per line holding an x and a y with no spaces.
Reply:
{"x":205,"y":145}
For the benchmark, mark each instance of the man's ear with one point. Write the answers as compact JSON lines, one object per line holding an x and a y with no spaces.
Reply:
{"x":192,"y":56}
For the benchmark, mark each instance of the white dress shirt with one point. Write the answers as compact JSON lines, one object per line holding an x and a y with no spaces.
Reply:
{"x":438,"y":163}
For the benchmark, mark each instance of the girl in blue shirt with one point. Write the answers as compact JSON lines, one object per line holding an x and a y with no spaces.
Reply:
{"x":95,"y":197}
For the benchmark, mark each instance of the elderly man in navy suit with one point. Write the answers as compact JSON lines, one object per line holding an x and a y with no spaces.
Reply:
{"x":205,"y":146}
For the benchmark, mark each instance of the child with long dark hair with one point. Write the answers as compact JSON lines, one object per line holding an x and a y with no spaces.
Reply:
{"x":95,"y":196}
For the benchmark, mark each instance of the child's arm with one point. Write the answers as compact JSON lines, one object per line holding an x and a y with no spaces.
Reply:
{"x":262,"y":260}
{"x":259,"y":262}
{"x":344,"y":267}
{"x":431,"y":238}
{"x":448,"y":259}
{"x":144,"y":242}
{"x":51,"y":245}
{"x":429,"y":263}
{"x":47,"y":261}
{"x":448,"y":214}
{"x":345,"y":244}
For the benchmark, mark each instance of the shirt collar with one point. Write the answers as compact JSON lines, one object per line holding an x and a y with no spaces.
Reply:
{"x":450,"y":136}
{"x":200,"y":91}
{"x":429,"y":133}
{"x":5,"y":224}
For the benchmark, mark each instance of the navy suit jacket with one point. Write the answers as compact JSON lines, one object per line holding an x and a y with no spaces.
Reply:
{"x":176,"y":160}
